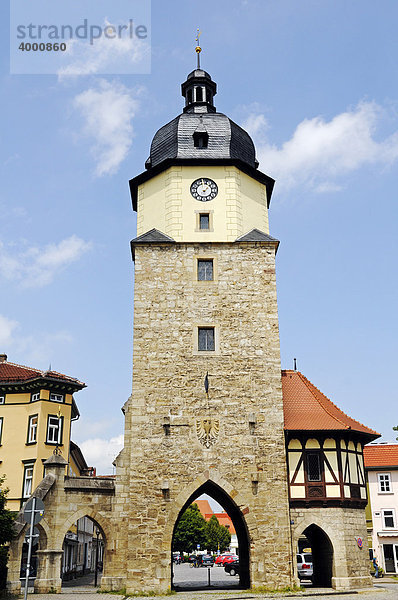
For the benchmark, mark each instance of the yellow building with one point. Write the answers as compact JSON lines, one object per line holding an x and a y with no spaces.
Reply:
{"x":36,"y":412}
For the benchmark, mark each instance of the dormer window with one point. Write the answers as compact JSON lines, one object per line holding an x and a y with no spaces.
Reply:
{"x":200,"y":139}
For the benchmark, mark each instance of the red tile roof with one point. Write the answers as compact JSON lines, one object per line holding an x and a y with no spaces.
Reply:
{"x":207,"y":513}
{"x":204,"y":507}
{"x":381,"y":455}
{"x":306,"y":408}
{"x":225,"y":519}
{"x":13,"y":373}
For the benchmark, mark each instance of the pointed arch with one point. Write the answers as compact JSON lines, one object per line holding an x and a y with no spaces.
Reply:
{"x":228,"y":498}
{"x":98,"y":520}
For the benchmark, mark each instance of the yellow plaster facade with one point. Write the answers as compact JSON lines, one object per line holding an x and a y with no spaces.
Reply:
{"x":27,"y":439}
{"x":165,"y":203}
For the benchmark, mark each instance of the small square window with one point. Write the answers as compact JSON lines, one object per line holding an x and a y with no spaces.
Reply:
{"x":35,"y":397}
{"x":56,"y":397}
{"x":1,"y":428}
{"x":206,"y":339}
{"x":200,"y":139}
{"x":389,"y":519}
{"x":32,"y":429}
{"x":384,"y":481}
{"x":205,"y":269}
{"x":204,"y":221}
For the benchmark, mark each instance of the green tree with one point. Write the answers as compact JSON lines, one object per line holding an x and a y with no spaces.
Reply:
{"x":6,"y":531}
{"x":190,"y":530}
{"x":217,"y":536}
{"x":395,"y":429}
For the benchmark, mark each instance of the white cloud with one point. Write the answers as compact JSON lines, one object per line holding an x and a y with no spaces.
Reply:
{"x":257,"y":125}
{"x":7,"y":328}
{"x":100,"y":453}
{"x":320,"y":152}
{"x":34,"y":349}
{"x":37,"y":267}
{"x":108,"y":111}
{"x":39,"y":349}
{"x":105,"y":56}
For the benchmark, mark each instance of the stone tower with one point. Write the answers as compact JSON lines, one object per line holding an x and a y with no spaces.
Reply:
{"x":205,"y":414}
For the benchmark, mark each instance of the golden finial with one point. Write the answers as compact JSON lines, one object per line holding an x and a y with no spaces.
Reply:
{"x":198,"y":49}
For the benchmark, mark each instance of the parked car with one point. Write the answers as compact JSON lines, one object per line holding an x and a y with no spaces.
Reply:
{"x":206,"y":560}
{"x":221,"y":558}
{"x":305,"y":568}
{"x":177,"y":558}
{"x":232,"y":567}
{"x":230,"y":558}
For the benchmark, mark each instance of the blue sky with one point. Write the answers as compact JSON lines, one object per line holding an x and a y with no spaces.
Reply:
{"x":315,"y":83}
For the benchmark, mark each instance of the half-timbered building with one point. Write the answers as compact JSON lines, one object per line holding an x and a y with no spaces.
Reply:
{"x":326,"y":475}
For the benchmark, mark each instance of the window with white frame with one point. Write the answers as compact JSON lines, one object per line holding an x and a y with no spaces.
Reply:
{"x":54,"y":429}
{"x":1,"y":429}
{"x":384,"y":481}
{"x":32,"y":429}
{"x":27,"y":480}
{"x":35,"y":396}
{"x":2,"y":399}
{"x":56,"y":397}
{"x":388,"y":518}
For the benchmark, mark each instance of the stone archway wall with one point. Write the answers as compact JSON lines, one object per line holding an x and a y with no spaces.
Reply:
{"x":343,"y":526}
{"x":66,"y":499}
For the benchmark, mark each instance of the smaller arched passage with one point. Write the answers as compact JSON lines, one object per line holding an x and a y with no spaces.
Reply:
{"x":83,"y":551}
{"x":322,"y":555}
{"x":217,"y":493}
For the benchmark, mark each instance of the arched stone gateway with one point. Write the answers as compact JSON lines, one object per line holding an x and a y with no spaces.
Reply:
{"x":65,"y":500}
{"x":238,"y":520}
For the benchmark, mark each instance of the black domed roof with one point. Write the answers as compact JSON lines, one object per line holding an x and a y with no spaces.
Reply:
{"x":201,"y":136}
{"x":225,"y":140}
{"x":200,"y":132}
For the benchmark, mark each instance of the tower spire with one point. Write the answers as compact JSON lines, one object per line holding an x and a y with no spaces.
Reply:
{"x":198,"y":49}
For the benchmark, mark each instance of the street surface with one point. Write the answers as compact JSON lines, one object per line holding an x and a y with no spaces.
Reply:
{"x":186,"y":576}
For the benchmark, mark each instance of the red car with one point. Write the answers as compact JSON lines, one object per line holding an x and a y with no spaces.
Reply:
{"x":224,"y":558}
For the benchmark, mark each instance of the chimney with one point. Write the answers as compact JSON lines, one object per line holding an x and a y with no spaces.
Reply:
{"x":3,"y":358}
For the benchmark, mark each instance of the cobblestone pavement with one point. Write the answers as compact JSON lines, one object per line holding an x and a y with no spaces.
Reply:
{"x":385,"y":592}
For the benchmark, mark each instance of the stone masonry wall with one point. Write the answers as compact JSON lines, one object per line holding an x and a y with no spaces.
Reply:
{"x":343,"y":526}
{"x":157,"y":473}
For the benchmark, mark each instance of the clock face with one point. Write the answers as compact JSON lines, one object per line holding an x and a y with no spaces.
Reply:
{"x":204,"y":189}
